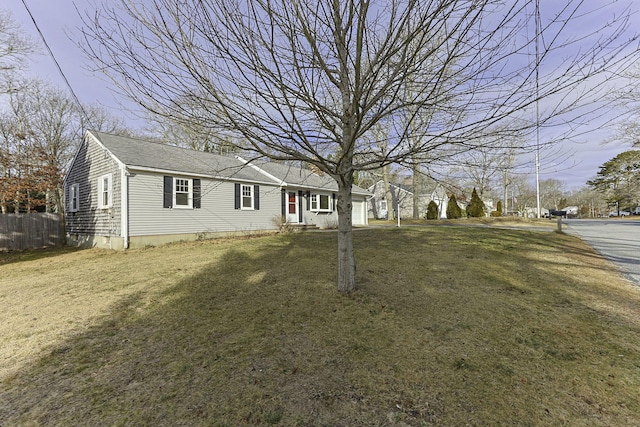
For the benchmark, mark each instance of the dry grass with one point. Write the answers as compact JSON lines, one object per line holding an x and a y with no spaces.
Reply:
{"x":450,"y":326}
{"x":497,"y":222}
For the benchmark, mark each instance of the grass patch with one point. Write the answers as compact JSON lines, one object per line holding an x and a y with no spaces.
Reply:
{"x":449,"y":326}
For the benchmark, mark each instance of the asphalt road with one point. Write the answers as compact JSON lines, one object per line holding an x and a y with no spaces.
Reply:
{"x":617,"y":240}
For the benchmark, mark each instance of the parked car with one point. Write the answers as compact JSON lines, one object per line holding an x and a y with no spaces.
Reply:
{"x":636,"y":211}
{"x":622,"y":213}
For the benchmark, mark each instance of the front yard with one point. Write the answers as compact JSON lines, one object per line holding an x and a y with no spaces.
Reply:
{"x":450,"y":326}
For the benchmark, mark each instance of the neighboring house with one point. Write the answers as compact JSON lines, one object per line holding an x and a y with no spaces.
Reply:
{"x":572,"y":211}
{"x":378,"y":206}
{"x":122,"y":192}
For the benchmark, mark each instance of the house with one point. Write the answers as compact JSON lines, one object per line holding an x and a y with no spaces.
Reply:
{"x":123,"y":192}
{"x":378,"y":206}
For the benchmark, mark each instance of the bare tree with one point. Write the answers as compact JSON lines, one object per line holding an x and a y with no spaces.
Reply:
{"x":14,"y":49}
{"x":591,"y":204}
{"x":306,"y":80}
{"x":627,"y":100}
{"x":40,"y":130}
{"x":195,"y":135}
{"x":552,"y":193}
{"x":483,"y":167}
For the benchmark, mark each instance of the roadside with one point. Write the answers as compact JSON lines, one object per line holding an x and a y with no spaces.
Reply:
{"x":616,"y":240}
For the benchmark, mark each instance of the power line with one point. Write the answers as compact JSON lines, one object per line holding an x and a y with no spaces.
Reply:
{"x":55,"y":61}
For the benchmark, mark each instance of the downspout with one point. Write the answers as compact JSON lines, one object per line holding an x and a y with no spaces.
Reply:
{"x":124,"y":206}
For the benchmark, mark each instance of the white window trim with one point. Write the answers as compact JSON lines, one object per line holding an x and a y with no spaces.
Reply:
{"x":189,"y":204}
{"x":74,"y":197}
{"x":315,"y":203}
{"x":109,"y":190}
{"x":250,"y":197}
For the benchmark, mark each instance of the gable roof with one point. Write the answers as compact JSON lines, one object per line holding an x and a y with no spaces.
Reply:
{"x":139,"y":154}
{"x":301,"y":177}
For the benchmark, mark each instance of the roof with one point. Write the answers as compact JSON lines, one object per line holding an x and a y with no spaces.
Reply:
{"x":301,"y":177}
{"x":141,"y":154}
{"x":427,"y":190}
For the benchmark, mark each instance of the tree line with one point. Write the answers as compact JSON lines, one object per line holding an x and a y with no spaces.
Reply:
{"x":40,"y":128}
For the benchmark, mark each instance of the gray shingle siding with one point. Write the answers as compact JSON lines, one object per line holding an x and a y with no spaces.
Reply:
{"x":92,"y":162}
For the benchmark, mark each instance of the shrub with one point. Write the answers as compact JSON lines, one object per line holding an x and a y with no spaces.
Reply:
{"x":281,"y":223}
{"x":453,"y":210}
{"x":475,"y":208}
{"x":499,"y":208}
{"x":432,"y":210}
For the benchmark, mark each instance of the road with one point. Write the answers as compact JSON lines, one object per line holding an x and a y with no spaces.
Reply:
{"x":617,"y":240}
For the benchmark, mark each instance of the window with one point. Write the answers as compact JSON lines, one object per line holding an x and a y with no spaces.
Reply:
{"x":105,"y":191}
{"x":74,"y":197}
{"x":247,"y":197}
{"x":321,"y":203}
{"x":383,"y":205}
{"x":182,"y":193}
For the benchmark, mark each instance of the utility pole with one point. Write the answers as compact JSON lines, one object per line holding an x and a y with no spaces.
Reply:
{"x":538,"y":29}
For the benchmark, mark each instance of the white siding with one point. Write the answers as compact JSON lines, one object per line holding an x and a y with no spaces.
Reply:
{"x":217,"y":214}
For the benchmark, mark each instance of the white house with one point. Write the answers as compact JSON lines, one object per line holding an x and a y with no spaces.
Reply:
{"x":123,"y":192}
{"x":378,"y":206}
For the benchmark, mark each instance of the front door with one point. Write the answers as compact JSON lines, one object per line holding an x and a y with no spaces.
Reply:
{"x":292,"y":207}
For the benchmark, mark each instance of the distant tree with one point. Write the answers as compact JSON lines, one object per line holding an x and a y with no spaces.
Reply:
{"x":39,"y":133}
{"x":432,"y":210}
{"x":15,"y":47}
{"x":25,"y":175}
{"x":475,"y":207}
{"x":619,"y":180}
{"x":499,"y":208}
{"x":552,"y":193}
{"x":453,"y":210}
{"x":522,"y":196}
{"x":591,"y":204}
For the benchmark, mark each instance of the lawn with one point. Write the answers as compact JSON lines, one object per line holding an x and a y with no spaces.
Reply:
{"x":450,"y":326}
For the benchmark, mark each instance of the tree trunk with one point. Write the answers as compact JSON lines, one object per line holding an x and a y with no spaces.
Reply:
{"x":415,"y":183}
{"x":346,"y":255}
{"x":387,"y":192}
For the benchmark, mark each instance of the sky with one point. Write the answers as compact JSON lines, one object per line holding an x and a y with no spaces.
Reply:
{"x":572,"y":162}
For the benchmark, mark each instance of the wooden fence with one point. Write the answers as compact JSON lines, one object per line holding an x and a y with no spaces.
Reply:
{"x":30,"y":231}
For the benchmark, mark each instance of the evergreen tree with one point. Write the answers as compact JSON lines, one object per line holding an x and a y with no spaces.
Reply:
{"x":475,"y":208}
{"x":499,"y":208}
{"x":432,"y":210}
{"x":453,"y":210}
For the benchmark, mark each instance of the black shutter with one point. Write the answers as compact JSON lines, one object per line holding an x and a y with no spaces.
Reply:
{"x":284,"y":203}
{"x":237,"y":196}
{"x":308,"y":195}
{"x":333,"y":201}
{"x":168,"y":192}
{"x":300,"y":217}
{"x":196,"y":193}
{"x":256,"y":197}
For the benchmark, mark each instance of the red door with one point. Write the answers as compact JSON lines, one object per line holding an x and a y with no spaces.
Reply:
{"x":292,"y":207}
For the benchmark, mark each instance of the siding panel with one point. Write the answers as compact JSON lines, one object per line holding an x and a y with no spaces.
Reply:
{"x":90,"y":163}
{"x":147,"y":216}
